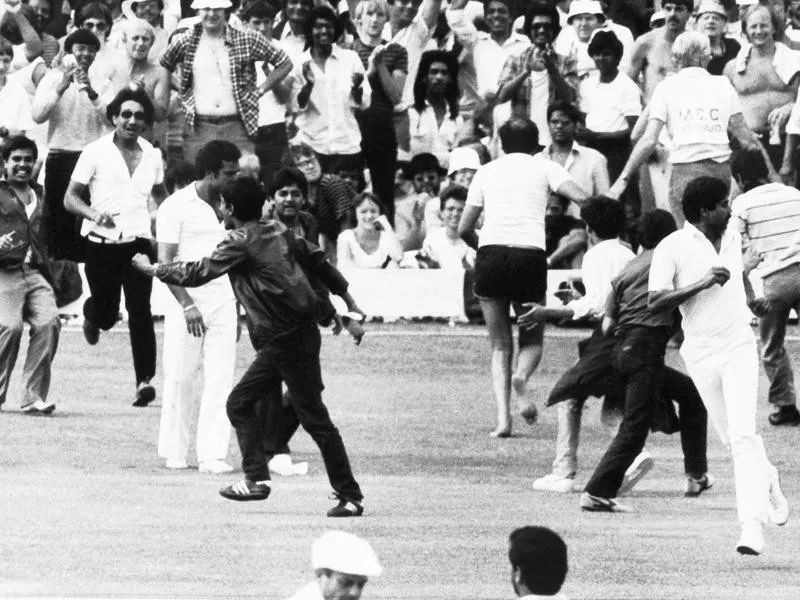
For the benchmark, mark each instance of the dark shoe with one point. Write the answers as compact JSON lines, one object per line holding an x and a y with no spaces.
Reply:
{"x":346,"y":508}
{"x":785,"y":415}
{"x":145,"y":393}
{"x":591,"y":503}
{"x":39,"y":408}
{"x":91,"y":332}
{"x":695,"y":487}
{"x":246,"y":490}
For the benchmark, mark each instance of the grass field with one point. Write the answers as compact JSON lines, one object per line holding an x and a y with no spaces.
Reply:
{"x":87,"y":509}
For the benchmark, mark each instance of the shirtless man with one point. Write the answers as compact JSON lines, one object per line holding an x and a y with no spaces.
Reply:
{"x":765,"y":76}
{"x":652,"y":62}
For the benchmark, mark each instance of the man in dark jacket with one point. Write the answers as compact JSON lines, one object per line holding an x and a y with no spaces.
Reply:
{"x":266,"y":264}
{"x":25,"y":294}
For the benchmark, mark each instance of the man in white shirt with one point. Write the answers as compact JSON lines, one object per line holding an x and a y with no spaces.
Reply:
{"x":121,"y":170}
{"x":200,"y":329}
{"x":588,"y":167}
{"x":343,"y":563}
{"x":698,"y":122}
{"x":768,"y":217}
{"x":699,"y":269}
{"x":538,"y":558}
{"x":329,"y":86}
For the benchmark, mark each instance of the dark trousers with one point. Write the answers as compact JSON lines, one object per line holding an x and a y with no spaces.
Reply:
{"x":271,"y":144}
{"x":639,"y":359}
{"x":292,"y":358}
{"x":62,"y":228}
{"x":379,"y":146}
{"x":108,"y":271}
{"x":335,"y":163}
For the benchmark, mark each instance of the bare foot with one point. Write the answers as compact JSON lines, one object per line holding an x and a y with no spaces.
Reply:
{"x":530,"y":413}
{"x":502,"y":431}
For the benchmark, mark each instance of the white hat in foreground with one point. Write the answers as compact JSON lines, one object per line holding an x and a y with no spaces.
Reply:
{"x":463,"y":158}
{"x":198,"y":4}
{"x":346,"y":553}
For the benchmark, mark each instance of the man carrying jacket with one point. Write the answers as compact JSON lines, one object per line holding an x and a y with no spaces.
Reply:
{"x":25,"y":294}
{"x":266,"y":264}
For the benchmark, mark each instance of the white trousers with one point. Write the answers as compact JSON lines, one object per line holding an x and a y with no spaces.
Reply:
{"x":184,"y":355}
{"x":727,"y":379}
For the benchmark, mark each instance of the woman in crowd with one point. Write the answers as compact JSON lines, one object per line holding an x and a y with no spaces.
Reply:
{"x":386,"y":66}
{"x":372,"y":244}
{"x":434,"y":119}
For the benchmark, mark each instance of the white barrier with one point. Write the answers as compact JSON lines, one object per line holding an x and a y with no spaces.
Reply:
{"x":387,"y":293}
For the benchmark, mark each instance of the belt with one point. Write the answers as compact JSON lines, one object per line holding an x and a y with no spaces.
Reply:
{"x":216,"y":119}
{"x":99,"y":239}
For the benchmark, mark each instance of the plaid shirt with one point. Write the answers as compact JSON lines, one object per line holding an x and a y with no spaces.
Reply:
{"x":521,"y":101}
{"x":245,"y":48}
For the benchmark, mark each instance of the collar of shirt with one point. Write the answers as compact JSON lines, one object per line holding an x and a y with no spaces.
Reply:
{"x":513,"y":40}
{"x":785,"y":60}
{"x":728,"y":237}
{"x":573,"y":153}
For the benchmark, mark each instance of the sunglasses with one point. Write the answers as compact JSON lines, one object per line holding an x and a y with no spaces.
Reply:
{"x":127,"y":114}
{"x":97,"y":26}
{"x":535,"y":26}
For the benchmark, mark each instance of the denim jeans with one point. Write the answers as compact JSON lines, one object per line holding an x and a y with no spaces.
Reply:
{"x":783,"y":290}
{"x":639,"y":358}
{"x":292,"y":358}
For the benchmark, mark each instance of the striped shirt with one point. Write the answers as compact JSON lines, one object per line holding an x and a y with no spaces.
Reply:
{"x":245,"y":49}
{"x":768,"y":217}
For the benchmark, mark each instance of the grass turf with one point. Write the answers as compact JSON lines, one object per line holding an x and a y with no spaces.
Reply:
{"x":87,"y":508}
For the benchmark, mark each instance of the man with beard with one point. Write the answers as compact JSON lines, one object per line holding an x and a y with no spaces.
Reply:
{"x":699,"y":269}
{"x":67,"y":101}
{"x":25,"y":294}
{"x":122,"y":171}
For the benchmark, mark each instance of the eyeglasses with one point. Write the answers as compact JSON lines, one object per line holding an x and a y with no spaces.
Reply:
{"x":536,"y":26}
{"x":127,"y":114}
{"x":92,"y":25}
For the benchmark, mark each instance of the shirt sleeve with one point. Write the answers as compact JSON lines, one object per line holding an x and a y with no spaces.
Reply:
{"x":168,"y":223}
{"x":269,"y":52}
{"x":662,"y":269}
{"x":736,"y":104}
{"x":475,"y":194}
{"x":85,"y":168}
{"x":173,"y":55}
{"x":658,"y":103}
{"x":631,"y":100}
{"x":556,"y":174}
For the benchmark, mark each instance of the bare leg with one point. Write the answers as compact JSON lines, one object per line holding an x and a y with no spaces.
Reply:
{"x":496,"y":312}
{"x":530,"y":355}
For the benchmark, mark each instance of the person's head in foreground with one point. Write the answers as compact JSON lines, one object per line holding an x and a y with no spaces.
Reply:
{"x":749,"y":169}
{"x":538,"y":559}
{"x":706,"y":205}
{"x":343,"y":563}
{"x":130,"y":112}
{"x":519,"y":135}
{"x":604,"y":218}
{"x":691,"y":49}
{"x":654,"y":226}
{"x":242,"y":200}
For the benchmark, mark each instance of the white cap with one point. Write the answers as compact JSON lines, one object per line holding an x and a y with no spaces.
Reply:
{"x":463,"y":158}
{"x":584,"y":7}
{"x":657,"y":16}
{"x":712,"y":6}
{"x":346,"y":553}
{"x":746,"y":2}
{"x":198,"y":4}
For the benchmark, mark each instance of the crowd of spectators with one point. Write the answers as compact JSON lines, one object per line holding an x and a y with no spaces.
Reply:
{"x":380,"y":112}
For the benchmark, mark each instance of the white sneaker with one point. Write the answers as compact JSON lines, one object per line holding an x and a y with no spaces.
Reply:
{"x":640,"y":467}
{"x":281,"y":464}
{"x":554,"y":483}
{"x":215,"y":467}
{"x":778,"y":505}
{"x":176,"y":463}
{"x":752,"y":539}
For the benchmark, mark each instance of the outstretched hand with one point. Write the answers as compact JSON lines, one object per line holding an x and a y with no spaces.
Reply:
{"x":533,"y":317}
{"x":141,"y":262}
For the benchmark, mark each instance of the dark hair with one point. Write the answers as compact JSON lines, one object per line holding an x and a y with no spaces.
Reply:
{"x":246,"y":196}
{"x":567,"y":108}
{"x":286,"y":176}
{"x":605,"y":40}
{"x":178,"y":175}
{"x":689,"y":4}
{"x":81,"y":36}
{"x":129,"y":95}
{"x":749,"y":166}
{"x":362,"y":197}
{"x":511,"y":4}
{"x":210,"y":157}
{"x":541,"y":557}
{"x":19,"y":142}
{"x":543,"y":9}
{"x":6,"y":47}
{"x":703,"y":193}
{"x":454,"y":192}
{"x":424,"y":162}
{"x":519,"y":134}
{"x":258,"y":10}
{"x":135,"y":2}
{"x":561,"y":199}
{"x":285,"y":3}
{"x":654,"y":226}
{"x":322,"y":12}
{"x":94,"y":10}
{"x":452,"y":92}
{"x":604,"y":216}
